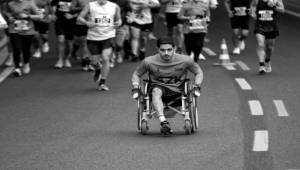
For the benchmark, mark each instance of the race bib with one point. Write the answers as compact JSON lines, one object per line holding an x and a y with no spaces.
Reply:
{"x":21,"y":25}
{"x":174,"y":6}
{"x":103,"y":20}
{"x":240,"y":11}
{"x":64,"y":6}
{"x":198,"y":24}
{"x":266,"y":15}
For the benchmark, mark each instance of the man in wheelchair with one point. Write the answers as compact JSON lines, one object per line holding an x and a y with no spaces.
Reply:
{"x":167,"y":71}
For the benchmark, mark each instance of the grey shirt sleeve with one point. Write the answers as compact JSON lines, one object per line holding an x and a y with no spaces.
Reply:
{"x":196,"y":69}
{"x":138,"y":73}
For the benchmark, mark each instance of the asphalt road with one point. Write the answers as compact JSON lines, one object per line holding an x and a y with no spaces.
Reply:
{"x":56,"y":119}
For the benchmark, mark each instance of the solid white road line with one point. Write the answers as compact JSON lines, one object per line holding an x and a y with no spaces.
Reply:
{"x":242,"y":65}
{"x":255,"y":107}
{"x":229,"y":67}
{"x":6,"y":72}
{"x":281,"y":110}
{"x":261,"y":141}
{"x":292,"y":13}
{"x":243,"y":83}
{"x":209,"y":51}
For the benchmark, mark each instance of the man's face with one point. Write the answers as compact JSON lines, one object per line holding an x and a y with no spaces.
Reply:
{"x":166,"y":52}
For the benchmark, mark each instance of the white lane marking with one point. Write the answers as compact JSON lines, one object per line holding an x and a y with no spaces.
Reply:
{"x":243,"y":83}
{"x":261,"y":141}
{"x":255,"y":107}
{"x":6,"y":72}
{"x":281,"y":110}
{"x":292,"y":13}
{"x":209,"y":51}
{"x":292,"y":169}
{"x":229,"y":67}
{"x":242,"y":65}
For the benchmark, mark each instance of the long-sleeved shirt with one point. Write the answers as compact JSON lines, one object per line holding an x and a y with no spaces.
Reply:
{"x":167,"y":74}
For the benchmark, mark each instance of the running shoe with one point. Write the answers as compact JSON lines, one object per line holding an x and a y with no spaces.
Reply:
{"x":242,"y":45}
{"x":97,"y":75}
{"x":268,"y":67}
{"x":59,"y":63}
{"x":236,"y":51}
{"x":17,"y":72}
{"x":67,"y":63}
{"x":262,"y":70}
{"x":103,"y":87}
{"x":37,"y":54}
{"x":45,"y":47}
{"x":26,"y":68}
{"x":165,"y":128}
{"x":202,"y":57}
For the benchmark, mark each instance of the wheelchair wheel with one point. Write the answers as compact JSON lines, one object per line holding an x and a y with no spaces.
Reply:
{"x":187,"y":127}
{"x":194,"y":114}
{"x":139,"y":114}
{"x":144,"y":127}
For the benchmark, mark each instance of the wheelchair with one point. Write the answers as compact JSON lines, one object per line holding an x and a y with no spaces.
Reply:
{"x":184,"y":104}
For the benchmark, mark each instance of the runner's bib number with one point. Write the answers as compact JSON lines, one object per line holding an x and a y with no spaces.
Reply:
{"x":64,"y":6}
{"x":266,"y":15}
{"x":103,"y":20}
{"x":240,"y":11}
{"x":21,"y":25}
{"x":198,"y":24}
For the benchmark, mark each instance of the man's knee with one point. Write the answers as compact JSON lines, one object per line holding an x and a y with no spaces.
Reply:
{"x":156,"y":93}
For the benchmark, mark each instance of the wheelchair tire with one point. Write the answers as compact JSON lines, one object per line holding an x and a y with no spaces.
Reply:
{"x":187,"y":127}
{"x":139,"y":114}
{"x":194,"y":114}
{"x":144,"y":127}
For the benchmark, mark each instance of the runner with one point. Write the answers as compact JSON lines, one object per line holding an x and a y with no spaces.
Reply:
{"x":104,"y":18}
{"x":195,"y":15}
{"x":42,"y":28}
{"x":64,"y":28}
{"x":21,"y":14}
{"x":266,"y":30}
{"x":140,"y":20}
{"x":239,"y":14}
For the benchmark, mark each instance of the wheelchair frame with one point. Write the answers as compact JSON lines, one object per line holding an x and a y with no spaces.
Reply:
{"x":188,"y":108}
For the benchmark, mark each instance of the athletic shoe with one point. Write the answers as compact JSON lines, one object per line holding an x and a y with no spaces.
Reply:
{"x":97,"y":75}
{"x":236,"y":50}
{"x":202,"y":57}
{"x":165,"y":128}
{"x":268,"y":67}
{"x":103,"y":87}
{"x":17,"y":72}
{"x":67,"y":63}
{"x":192,"y":55}
{"x":45,"y":47}
{"x":26,"y":68}
{"x":37,"y":54}
{"x":151,"y":36}
{"x":119,"y":60}
{"x":261,"y":70}
{"x":242,"y":45}
{"x":59,"y":63}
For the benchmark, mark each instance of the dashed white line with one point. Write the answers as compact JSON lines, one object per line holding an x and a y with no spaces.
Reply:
{"x":229,"y":67}
{"x":243,"y":83}
{"x":242,"y":65}
{"x":255,"y":107}
{"x":209,"y":51}
{"x":281,"y":110}
{"x":6,"y":72}
{"x":261,"y":141}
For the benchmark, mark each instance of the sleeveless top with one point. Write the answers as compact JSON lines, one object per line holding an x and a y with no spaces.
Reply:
{"x":174,"y":6}
{"x":103,"y":16}
{"x":240,"y":7}
{"x":266,"y":16}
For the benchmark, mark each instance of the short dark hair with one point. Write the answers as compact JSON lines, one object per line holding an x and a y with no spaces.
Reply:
{"x":165,"y":40}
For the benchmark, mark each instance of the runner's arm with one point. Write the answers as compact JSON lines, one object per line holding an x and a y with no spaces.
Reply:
{"x":81,"y":17}
{"x":227,"y":5}
{"x":117,"y":17}
{"x":279,"y":7}
{"x":138,"y":73}
{"x":197,"y":71}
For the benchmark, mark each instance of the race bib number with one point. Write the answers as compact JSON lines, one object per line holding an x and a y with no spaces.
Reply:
{"x":240,"y":11}
{"x":198,"y":24}
{"x":21,"y":25}
{"x":266,"y":15}
{"x":64,"y":6}
{"x":103,"y":20}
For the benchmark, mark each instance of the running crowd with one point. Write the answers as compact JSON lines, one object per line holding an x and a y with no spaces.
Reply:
{"x":104,"y":32}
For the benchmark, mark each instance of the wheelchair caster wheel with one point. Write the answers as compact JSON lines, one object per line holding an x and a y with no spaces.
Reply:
{"x":187,"y":127}
{"x":144,"y":127}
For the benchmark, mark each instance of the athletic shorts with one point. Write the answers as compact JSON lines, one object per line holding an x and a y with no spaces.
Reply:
{"x":167,"y":94}
{"x":172,"y":20}
{"x":268,"y":32}
{"x":80,"y":30}
{"x":41,"y":27}
{"x":240,"y":22}
{"x":142,"y":27}
{"x":96,"y":47}
{"x":66,"y":28}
